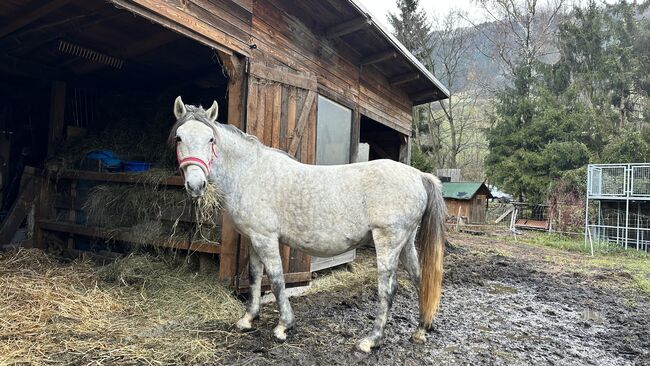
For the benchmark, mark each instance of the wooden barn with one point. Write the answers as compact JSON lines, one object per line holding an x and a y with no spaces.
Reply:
{"x":467,"y":200}
{"x":314,"y":77}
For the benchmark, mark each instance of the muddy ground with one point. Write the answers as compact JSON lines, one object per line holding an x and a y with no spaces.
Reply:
{"x":503,"y":304}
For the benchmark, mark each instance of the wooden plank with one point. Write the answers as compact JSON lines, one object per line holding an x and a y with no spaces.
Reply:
{"x":291,"y":115}
{"x":229,"y":251}
{"x":403,"y":78}
{"x":237,"y":111}
{"x":30,"y":16}
{"x":262,"y":89}
{"x":348,"y":27}
{"x":113,"y":177}
{"x":284,"y":111}
{"x":355,"y":136}
{"x":17,"y":213}
{"x":379,"y":57}
{"x":252,"y":107}
{"x":179,"y":22}
{"x":268,"y":114}
{"x":289,"y":278}
{"x":65,"y":227}
{"x":302,"y":122}
{"x":277,"y":114}
{"x":303,"y":81}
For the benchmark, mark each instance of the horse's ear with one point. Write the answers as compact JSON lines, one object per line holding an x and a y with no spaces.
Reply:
{"x":179,"y":107}
{"x":213,"y":111}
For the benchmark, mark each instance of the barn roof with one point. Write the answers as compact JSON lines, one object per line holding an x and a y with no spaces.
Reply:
{"x":431,"y":88}
{"x":464,"y":190}
{"x":350,"y":22}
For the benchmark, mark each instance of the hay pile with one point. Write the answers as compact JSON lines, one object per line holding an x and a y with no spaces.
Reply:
{"x":138,"y":310}
{"x":149,"y":211}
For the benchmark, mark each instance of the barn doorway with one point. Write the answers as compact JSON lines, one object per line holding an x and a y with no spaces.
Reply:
{"x":383,"y":141}
{"x":73,"y":69}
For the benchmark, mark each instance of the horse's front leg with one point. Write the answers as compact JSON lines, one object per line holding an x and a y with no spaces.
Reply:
{"x":255,"y":270}
{"x":268,"y":251}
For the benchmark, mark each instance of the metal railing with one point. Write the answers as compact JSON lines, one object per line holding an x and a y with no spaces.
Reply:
{"x":618,"y":181}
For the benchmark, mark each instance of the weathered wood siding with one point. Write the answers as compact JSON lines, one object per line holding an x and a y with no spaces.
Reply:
{"x":283,"y":39}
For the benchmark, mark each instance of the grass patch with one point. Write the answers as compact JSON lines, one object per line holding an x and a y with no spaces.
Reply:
{"x":606,"y":256}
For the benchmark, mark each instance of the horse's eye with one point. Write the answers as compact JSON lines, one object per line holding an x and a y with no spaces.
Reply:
{"x":212,"y":140}
{"x":178,"y":139}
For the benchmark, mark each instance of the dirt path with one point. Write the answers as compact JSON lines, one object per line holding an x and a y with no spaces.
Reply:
{"x":503,"y":304}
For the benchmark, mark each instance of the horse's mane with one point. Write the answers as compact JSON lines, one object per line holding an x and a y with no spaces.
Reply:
{"x":197,"y":113}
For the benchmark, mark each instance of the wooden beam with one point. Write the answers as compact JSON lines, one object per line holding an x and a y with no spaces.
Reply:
{"x":379,"y":57}
{"x":230,"y":238}
{"x":348,"y":27}
{"x":403,"y":78}
{"x":134,"y":49}
{"x":179,"y":21}
{"x":110,"y":234}
{"x":113,"y":177}
{"x":302,"y":123}
{"x":423,"y":95}
{"x":24,"y":19}
{"x":284,"y":77}
{"x":355,"y":135}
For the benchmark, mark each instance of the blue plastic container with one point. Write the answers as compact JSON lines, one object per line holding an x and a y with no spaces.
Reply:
{"x":107,"y":157}
{"x":136,"y":166}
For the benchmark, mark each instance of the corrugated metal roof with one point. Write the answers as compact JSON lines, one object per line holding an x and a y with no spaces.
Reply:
{"x":460,"y":190}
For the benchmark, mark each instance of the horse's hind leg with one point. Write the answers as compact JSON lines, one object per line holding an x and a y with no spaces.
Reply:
{"x":268,"y":251}
{"x":409,"y":258}
{"x":256,"y":270}
{"x":388,"y":245}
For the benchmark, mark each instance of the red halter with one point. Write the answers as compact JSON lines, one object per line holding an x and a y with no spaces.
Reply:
{"x":193,"y":160}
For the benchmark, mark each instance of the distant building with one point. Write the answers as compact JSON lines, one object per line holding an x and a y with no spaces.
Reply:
{"x":467,"y":200}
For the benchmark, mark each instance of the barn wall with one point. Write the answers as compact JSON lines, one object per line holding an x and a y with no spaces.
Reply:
{"x":282,"y":39}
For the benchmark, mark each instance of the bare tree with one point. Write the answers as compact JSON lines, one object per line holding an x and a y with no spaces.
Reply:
{"x":452,"y":121}
{"x":520,"y":32}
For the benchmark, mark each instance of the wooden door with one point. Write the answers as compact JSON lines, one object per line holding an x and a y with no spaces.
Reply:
{"x":281,"y":113}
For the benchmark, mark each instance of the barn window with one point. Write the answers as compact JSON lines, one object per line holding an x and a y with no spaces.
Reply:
{"x":333,"y":133}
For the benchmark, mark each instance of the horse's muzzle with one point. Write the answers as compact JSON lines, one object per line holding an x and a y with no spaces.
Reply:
{"x":195,"y":181}
{"x":196,"y":189}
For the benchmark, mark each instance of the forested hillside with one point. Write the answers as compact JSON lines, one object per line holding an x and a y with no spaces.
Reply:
{"x":538,"y":92}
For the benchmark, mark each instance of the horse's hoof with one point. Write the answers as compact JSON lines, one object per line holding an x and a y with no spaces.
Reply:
{"x":419,"y":336}
{"x":365,"y":345}
{"x":244,"y":324}
{"x":280,"y":333}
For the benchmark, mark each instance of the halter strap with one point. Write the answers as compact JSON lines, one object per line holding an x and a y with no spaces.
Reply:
{"x":193,"y":160}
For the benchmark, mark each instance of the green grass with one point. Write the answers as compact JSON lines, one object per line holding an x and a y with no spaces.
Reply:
{"x":606,"y":256}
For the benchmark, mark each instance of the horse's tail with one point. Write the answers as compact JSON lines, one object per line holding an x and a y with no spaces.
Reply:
{"x":431,"y":243}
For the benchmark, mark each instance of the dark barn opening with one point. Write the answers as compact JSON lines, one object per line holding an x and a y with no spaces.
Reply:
{"x":88,"y":66}
{"x":384,"y":142}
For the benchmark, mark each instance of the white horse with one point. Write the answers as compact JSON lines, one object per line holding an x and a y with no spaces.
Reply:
{"x":320,"y":210}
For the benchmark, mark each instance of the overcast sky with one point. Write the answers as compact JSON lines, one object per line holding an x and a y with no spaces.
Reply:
{"x":435,"y":8}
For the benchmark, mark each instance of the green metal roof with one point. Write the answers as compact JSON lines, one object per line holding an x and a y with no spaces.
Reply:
{"x":461,"y":190}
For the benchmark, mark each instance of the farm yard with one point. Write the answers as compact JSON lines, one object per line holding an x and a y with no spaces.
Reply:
{"x":539,"y":300}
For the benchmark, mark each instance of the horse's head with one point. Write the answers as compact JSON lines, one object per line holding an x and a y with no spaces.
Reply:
{"x":194,"y":135}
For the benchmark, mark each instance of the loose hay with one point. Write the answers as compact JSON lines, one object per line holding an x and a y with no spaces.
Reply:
{"x":138,"y":310}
